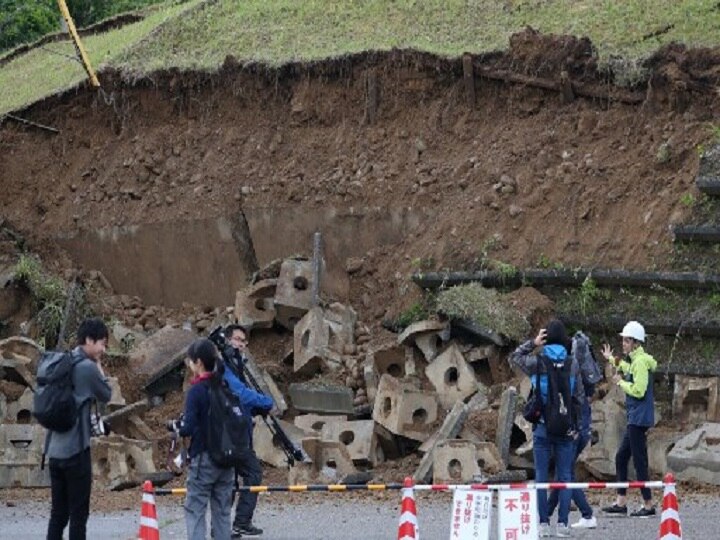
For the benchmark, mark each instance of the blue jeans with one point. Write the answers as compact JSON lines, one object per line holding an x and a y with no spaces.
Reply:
{"x":577,"y":495}
{"x":562,"y":448}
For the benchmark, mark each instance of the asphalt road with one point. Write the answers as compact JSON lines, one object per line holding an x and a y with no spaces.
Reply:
{"x":324,"y":516}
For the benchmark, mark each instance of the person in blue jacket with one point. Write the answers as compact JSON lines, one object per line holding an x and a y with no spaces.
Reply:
{"x":554,"y":345}
{"x":253,"y":403}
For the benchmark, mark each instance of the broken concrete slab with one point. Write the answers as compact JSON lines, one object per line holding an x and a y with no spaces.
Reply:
{"x":255,"y":305}
{"x":159,"y":359}
{"x":119,"y":462}
{"x":358,"y":436}
{"x":118,"y":417}
{"x":609,"y":422}
{"x":449,"y":429}
{"x":488,"y":458}
{"x":335,"y":461}
{"x":21,"y":449}
{"x":371,"y":378}
{"x":341,"y":320}
{"x":404,"y":410}
{"x":16,"y":370}
{"x":315,"y":422}
{"x":506,"y":417}
{"x":659,"y":444}
{"x":477,"y":333}
{"x":427,"y":336}
{"x":322,"y":398}
{"x":695,"y":399}
{"x":696,"y":456}
{"x":524,"y":449}
{"x":117,"y":401}
{"x":22,"y":346}
{"x":138,"y":429}
{"x":293,"y":296}
{"x":453,"y":379}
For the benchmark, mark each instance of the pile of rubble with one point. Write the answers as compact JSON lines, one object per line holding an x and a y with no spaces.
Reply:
{"x":440,"y":390}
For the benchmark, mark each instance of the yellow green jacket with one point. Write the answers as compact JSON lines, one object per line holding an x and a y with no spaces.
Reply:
{"x":637,"y":384}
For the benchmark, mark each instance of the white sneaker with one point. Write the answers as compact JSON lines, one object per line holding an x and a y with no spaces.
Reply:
{"x":585,"y":523}
{"x":545,"y":530}
{"x":562,"y":531}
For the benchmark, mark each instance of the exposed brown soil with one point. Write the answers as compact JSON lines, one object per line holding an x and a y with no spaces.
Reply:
{"x":522,"y":178}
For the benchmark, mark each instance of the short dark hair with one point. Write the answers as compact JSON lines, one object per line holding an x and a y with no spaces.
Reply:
{"x":94,"y":329}
{"x":230,"y":328}
{"x":205,"y":351}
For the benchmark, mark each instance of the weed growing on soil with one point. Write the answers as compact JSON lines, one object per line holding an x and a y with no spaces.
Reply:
{"x":687,"y":199}
{"x":416,"y":312}
{"x":48,"y":294}
{"x":485,"y":307}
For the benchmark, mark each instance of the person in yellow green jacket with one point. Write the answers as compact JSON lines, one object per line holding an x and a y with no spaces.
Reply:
{"x":634,"y":377}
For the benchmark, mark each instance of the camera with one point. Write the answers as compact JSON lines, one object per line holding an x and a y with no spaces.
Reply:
{"x":174,"y":425}
{"x":98,"y":427}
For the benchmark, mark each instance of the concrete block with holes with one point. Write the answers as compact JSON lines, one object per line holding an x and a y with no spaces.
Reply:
{"x":315,"y":422}
{"x":453,"y":379}
{"x":20,"y":410}
{"x":255,"y":305}
{"x":695,"y":399}
{"x":358,"y":436}
{"x":310,"y":342}
{"x":21,"y":449}
{"x":455,"y":462}
{"x":405,"y":410}
{"x":427,"y":336}
{"x":293,"y":296}
{"x":388,"y":359}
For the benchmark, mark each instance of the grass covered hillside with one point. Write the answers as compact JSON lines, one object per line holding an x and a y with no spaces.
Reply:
{"x":199,"y":34}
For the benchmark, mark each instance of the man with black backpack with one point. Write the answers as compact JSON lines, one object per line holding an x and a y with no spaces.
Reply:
{"x":558,"y":397}
{"x":80,"y":376}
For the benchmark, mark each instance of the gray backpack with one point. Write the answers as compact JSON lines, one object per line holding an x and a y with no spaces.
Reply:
{"x":589,"y":369}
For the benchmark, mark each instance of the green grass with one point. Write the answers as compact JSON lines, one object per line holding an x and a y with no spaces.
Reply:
{"x":278,"y":31}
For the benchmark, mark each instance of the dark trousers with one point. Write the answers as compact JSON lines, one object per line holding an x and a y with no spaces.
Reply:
{"x":251,"y":473}
{"x":634,"y":444}
{"x":70,"y":483}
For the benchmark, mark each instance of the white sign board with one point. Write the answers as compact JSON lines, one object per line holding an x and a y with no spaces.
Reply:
{"x":518,"y":515}
{"x":471,"y":512}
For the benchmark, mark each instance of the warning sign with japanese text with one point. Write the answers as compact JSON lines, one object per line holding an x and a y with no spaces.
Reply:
{"x":471,"y":513}
{"x":518,"y":515}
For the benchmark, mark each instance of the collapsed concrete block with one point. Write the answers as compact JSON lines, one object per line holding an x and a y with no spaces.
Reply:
{"x":21,"y":346}
{"x":20,"y":411}
{"x":159,"y":360}
{"x":16,"y":370}
{"x":388,"y":359}
{"x":358,"y":437}
{"x":449,"y":429}
{"x":525,"y":448}
{"x":315,"y":422}
{"x":454,"y":462}
{"x":119,"y":462}
{"x":335,"y":460}
{"x":695,"y":399}
{"x":404,"y":410}
{"x":266,"y":451}
{"x":451,"y":376}
{"x":427,"y":336}
{"x":488,"y":458}
{"x":341,"y":320}
{"x":697,"y":455}
{"x":139,"y":430}
{"x":255,"y":305}
{"x":488,"y":364}
{"x":117,"y":401}
{"x":506,"y":417}
{"x":321,"y":398}
{"x":608,"y":421}
{"x":659,"y":444}
{"x":311,"y":338}
{"x":118,"y":419}
{"x":371,"y":378}
{"x":21,"y":449}
{"x":293,"y":296}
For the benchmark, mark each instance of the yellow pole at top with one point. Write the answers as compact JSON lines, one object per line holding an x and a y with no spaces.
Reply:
{"x":78,"y":44}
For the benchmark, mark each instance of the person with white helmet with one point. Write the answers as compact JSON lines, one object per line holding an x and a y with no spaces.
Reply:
{"x":634,"y":377}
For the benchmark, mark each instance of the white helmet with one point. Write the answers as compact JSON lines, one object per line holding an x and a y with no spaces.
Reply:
{"x":634,"y":330}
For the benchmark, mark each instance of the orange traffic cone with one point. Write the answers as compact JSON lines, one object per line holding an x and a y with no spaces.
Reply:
{"x":148,"y":515}
{"x":408,"y":529}
{"x":670,"y":519}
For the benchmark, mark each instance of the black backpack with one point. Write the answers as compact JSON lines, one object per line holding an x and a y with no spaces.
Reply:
{"x":559,"y":409}
{"x":589,"y":369}
{"x":228,"y":427}
{"x":54,"y":401}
